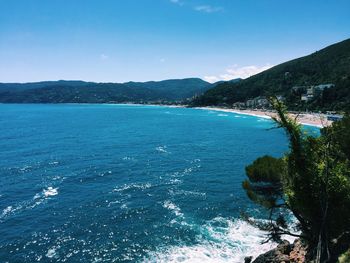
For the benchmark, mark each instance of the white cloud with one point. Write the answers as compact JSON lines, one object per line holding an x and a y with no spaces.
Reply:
{"x":177,"y":2}
{"x":104,"y":57}
{"x":211,"y":79}
{"x":200,"y":8}
{"x":208,"y":9}
{"x":238,"y":72}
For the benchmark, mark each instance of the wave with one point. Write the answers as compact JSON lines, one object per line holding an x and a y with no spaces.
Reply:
{"x":219,"y":240}
{"x":222,"y":115}
{"x":127,"y":158}
{"x":173,"y":208}
{"x":50,"y":191}
{"x":132,"y":186}
{"x":162,"y":149}
{"x":38,"y":199}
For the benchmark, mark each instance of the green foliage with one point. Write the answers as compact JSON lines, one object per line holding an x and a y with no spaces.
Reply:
{"x":314,"y":186}
{"x":329,"y":65}
{"x":344,"y":258}
{"x":266,"y":168}
{"x":90,"y":92}
{"x":264,"y":184}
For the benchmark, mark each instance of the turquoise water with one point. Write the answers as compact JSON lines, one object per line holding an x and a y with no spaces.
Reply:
{"x":121,"y":183}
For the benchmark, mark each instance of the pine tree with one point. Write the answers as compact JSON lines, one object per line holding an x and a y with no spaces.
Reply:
{"x":311,"y":182}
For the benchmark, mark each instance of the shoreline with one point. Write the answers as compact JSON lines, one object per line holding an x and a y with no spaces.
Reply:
{"x":308,"y":119}
{"x":318,"y":120}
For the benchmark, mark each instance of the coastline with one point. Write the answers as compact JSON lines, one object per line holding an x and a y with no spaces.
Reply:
{"x":318,"y":120}
{"x":309,"y":119}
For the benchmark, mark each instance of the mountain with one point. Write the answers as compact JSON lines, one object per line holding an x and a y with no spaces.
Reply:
{"x":42,"y":84}
{"x":90,"y":92}
{"x":174,"y":89}
{"x":329,"y":65}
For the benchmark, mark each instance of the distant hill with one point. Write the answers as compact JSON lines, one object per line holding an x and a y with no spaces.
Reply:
{"x":90,"y":92}
{"x":174,"y":89}
{"x":329,"y":65}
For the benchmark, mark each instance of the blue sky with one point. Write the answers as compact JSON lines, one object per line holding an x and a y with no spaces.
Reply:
{"x":139,"y":40}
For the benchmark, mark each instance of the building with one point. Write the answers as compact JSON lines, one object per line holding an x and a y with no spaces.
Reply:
{"x":250,"y":103}
{"x":334,"y":117}
{"x":238,"y":105}
{"x":314,"y":91}
{"x":258,"y":102}
{"x":304,"y":97}
{"x":280,"y":98}
{"x":322,"y":87}
{"x":262,"y":102}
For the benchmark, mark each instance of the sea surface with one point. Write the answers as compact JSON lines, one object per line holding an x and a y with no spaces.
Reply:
{"x":124,"y":183}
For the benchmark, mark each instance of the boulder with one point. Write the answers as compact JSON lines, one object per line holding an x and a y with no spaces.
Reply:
{"x":280,"y":254}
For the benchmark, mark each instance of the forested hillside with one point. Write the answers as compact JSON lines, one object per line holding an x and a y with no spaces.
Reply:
{"x":89,"y":92}
{"x":329,"y":65}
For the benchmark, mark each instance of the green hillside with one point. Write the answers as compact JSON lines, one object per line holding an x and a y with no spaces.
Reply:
{"x":168,"y":91}
{"x":329,"y":65}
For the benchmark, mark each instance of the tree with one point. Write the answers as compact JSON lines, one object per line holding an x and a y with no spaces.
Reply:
{"x":311,"y":182}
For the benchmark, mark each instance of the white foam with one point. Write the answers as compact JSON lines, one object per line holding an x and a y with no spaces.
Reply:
{"x":25,"y":168}
{"x":37,"y":196}
{"x":172,"y":207}
{"x":127,"y":158}
{"x":6,"y":211}
{"x":162,"y":149}
{"x":51,"y":252}
{"x":192,"y":193}
{"x":50,"y":191}
{"x":220,"y":240}
{"x":132,"y":186}
{"x":222,"y":115}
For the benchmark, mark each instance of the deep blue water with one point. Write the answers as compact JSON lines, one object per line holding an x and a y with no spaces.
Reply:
{"x":119,"y":183}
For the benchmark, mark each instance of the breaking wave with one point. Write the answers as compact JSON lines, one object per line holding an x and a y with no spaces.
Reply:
{"x":219,"y":240}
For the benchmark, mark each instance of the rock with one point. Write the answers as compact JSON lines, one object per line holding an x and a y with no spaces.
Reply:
{"x":278,"y":255}
{"x":248,"y":259}
{"x":298,"y":252}
{"x":285,"y":253}
{"x":284,"y":247}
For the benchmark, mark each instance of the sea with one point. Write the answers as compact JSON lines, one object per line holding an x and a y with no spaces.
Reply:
{"x":129,"y":183}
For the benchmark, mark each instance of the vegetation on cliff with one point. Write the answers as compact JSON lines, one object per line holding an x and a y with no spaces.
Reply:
{"x":311,"y":182}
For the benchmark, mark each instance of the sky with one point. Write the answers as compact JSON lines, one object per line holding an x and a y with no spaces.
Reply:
{"x":141,"y":40}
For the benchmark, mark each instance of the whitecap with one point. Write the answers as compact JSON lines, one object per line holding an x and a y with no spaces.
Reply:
{"x":127,"y":158}
{"x":37,"y":196}
{"x":222,"y":115}
{"x":6,"y":211}
{"x":51,"y":252}
{"x":25,"y":168}
{"x":219,"y":240}
{"x":175,"y":181}
{"x":162,"y":149}
{"x":173,"y":208}
{"x":132,"y":186}
{"x":191,"y":193}
{"x":50,"y":191}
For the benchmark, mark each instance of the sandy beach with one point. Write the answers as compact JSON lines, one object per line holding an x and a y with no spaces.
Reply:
{"x":310,"y":119}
